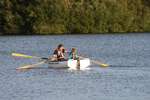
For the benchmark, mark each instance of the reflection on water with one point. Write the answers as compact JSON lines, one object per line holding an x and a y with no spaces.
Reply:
{"x":127,"y":78}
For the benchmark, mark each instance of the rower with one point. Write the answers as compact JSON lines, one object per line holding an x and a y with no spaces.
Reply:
{"x":73,"y":55}
{"x":59,"y":53}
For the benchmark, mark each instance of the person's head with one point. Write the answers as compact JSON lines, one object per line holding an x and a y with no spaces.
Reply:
{"x":73,"y":50}
{"x":61,"y":47}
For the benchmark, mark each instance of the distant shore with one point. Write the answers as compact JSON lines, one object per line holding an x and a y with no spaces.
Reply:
{"x":52,"y":17}
{"x":53,"y":34}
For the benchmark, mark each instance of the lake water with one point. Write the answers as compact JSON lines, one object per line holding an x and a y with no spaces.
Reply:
{"x":128,"y":77}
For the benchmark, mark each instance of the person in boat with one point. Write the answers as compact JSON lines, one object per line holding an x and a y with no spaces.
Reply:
{"x":59,"y":53}
{"x":73,"y":55}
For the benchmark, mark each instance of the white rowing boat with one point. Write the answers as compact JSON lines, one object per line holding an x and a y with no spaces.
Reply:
{"x":72,"y":64}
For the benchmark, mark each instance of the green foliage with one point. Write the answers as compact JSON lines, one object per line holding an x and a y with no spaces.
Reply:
{"x":73,"y":16}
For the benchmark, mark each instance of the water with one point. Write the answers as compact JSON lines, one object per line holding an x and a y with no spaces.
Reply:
{"x":128,"y":77}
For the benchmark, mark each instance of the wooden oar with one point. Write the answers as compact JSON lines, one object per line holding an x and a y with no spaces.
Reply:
{"x":100,"y":63}
{"x":27,"y":56}
{"x":30,"y":66}
{"x":103,"y":65}
{"x":23,"y":55}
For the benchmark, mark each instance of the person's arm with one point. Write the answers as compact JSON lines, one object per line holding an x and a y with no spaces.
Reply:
{"x":55,"y":54}
{"x":63,"y":50}
{"x":70,"y":55}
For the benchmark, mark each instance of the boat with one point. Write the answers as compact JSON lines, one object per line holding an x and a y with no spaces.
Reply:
{"x":72,"y":64}
{"x":83,"y":63}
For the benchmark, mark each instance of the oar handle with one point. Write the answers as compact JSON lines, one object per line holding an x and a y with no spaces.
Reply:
{"x":44,"y":58}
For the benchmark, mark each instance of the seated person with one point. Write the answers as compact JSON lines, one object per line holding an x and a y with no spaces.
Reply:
{"x":59,"y":53}
{"x":73,"y":54}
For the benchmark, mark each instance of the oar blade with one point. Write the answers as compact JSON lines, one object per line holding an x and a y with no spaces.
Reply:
{"x":21,"y":55}
{"x":104,"y":65}
{"x":30,"y":66}
{"x":24,"y":67}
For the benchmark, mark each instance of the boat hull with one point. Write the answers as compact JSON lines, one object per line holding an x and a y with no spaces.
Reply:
{"x":62,"y":64}
{"x":72,"y":64}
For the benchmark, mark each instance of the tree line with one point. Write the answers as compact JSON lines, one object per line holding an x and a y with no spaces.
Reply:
{"x":25,"y":17}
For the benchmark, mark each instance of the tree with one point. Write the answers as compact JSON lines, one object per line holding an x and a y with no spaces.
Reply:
{"x":73,"y":16}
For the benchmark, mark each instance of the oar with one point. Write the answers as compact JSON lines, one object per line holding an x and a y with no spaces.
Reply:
{"x":27,"y":56}
{"x":103,"y":65}
{"x":30,"y":66}
{"x":100,"y":63}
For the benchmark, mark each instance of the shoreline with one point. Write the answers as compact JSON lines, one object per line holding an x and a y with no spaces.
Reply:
{"x":57,"y":34}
